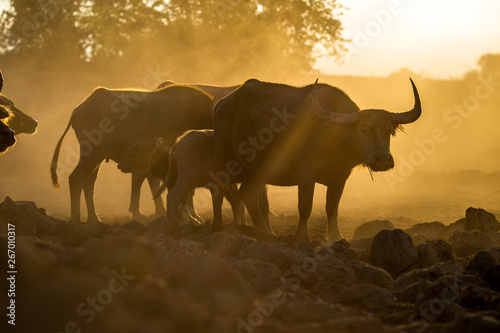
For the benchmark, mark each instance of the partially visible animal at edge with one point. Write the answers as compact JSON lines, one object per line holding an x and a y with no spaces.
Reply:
{"x":110,"y":122}
{"x":12,"y":121}
{"x":153,"y":157}
{"x":191,"y":165}
{"x":313,"y":134}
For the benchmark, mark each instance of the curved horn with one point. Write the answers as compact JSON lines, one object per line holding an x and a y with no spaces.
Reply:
{"x":332,"y":117}
{"x":412,"y":115}
{"x":1,"y":81}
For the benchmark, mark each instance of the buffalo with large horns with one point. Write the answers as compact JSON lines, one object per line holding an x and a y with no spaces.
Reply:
{"x":276,"y":134}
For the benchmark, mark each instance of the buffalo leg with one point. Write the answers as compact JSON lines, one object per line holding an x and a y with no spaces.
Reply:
{"x":88,"y":191}
{"x":176,"y":196}
{"x":77,"y":180}
{"x":189,"y":205}
{"x":333,"y":195}
{"x":154,"y":185}
{"x":217,"y":198}
{"x":250,"y":194}
{"x":231,"y":194}
{"x":264,"y":202}
{"x":306,"y":194}
{"x":135,"y":195}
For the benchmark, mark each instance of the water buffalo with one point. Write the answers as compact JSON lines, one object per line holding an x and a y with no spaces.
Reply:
{"x":110,"y":122}
{"x":153,"y":157}
{"x":217,"y":92}
{"x":191,"y":165}
{"x":12,"y":121}
{"x":268,"y":133}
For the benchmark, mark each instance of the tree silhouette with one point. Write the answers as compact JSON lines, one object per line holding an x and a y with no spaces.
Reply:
{"x":213,"y":37}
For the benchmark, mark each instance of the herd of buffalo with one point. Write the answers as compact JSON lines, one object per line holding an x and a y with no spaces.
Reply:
{"x":190,"y":136}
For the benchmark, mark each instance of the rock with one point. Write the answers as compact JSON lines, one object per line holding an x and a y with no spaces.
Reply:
{"x":475,"y":297}
{"x":495,"y":252}
{"x":494,"y":279}
{"x":361,"y":243}
{"x":370,"y":229}
{"x":346,"y":324}
{"x":418,"y":239}
{"x":51,"y":240}
{"x":175,"y":251}
{"x":210,"y":282}
{"x":44,"y":223}
{"x":93,"y":229}
{"x":426,"y":274}
{"x":308,"y":248}
{"x":429,"y":230}
{"x":366,"y":273}
{"x":222,"y":244}
{"x":23,"y":220}
{"x":264,"y":277}
{"x":482,"y":264}
{"x":134,"y":225}
{"x":439,"y":309}
{"x":365,"y":297}
{"x":449,"y":267}
{"x":258,"y":234}
{"x":393,"y":251}
{"x":443,"y":249}
{"x":426,"y":256}
{"x":301,"y":308}
{"x":472,"y":323}
{"x":479,"y":219}
{"x":188,"y":228}
{"x":269,"y":278}
{"x":342,"y":250}
{"x":280,"y":254}
{"x":134,"y":255}
{"x":329,"y":269}
{"x":447,"y":288}
{"x":30,"y":209}
{"x":411,"y":293}
{"x":70,"y":233}
{"x":470,"y":242}
{"x":450,"y":229}
{"x":113,"y":231}
{"x":163,"y":225}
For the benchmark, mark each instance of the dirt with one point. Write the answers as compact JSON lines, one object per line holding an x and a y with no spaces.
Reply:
{"x":123,"y":276}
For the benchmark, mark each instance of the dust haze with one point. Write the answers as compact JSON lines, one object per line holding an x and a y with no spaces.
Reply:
{"x":445,"y":162}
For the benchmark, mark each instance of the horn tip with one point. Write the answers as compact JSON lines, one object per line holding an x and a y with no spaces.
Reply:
{"x":316,"y":81}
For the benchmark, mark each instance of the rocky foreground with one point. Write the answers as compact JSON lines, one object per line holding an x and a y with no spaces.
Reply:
{"x":165,"y":278}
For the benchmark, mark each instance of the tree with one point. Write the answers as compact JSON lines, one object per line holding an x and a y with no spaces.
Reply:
{"x":192,"y":38}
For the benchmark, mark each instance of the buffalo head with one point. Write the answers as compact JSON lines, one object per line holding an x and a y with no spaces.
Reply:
{"x":141,"y":156}
{"x":371,"y":130}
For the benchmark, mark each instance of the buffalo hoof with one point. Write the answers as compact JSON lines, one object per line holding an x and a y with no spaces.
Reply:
{"x":197,"y":219}
{"x":335,"y":237}
{"x":160,"y":213}
{"x":139,"y":217}
{"x":301,"y":237}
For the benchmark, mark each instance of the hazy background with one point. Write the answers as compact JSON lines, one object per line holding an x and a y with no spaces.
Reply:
{"x":53,"y":56}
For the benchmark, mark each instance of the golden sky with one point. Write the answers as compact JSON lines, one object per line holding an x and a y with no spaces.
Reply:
{"x":441,"y":38}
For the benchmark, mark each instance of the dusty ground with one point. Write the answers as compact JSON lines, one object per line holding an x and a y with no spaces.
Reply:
{"x":123,"y":276}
